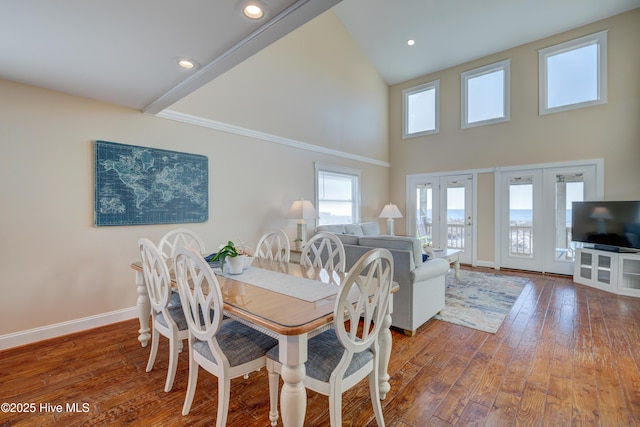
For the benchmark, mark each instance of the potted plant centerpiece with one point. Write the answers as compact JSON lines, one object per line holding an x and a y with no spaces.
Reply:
{"x":233,"y":255}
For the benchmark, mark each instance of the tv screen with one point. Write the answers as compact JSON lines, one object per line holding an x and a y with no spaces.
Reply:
{"x":608,"y":225}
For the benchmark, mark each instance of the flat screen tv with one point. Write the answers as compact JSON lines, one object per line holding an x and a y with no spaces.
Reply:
{"x":612,"y":226}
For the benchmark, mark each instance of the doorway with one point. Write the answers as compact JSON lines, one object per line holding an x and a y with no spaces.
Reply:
{"x":443,"y":207}
{"x":535,"y":215}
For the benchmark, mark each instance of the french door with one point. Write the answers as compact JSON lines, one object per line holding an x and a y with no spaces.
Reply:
{"x":535,"y":216}
{"x":444,"y":212}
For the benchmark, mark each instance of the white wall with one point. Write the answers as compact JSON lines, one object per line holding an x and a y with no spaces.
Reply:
{"x":57,"y":267}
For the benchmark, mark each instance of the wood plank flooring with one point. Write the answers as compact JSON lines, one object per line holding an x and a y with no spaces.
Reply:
{"x":567,"y":355}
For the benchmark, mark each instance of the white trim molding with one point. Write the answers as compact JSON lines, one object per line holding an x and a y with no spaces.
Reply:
{"x":480,"y":72}
{"x":59,"y":329}
{"x":599,"y":40}
{"x":237,"y":130}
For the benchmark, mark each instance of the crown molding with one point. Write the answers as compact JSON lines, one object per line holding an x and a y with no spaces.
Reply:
{"x":237,"y":130}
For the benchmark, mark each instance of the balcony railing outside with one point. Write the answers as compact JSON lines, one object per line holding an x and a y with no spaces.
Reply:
{"x":521,"y":238}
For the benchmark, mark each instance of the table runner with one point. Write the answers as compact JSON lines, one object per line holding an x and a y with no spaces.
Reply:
{"x":297,"y":287}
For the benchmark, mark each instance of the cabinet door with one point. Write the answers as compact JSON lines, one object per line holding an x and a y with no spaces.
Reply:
{"x":583,"y":272}
{"x":629,"y":275}
{"x":605,"y":269}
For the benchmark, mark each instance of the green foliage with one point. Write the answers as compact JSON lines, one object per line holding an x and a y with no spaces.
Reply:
{"x":228,"y":250}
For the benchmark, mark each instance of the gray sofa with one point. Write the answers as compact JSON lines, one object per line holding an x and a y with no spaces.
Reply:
{"x":422,"y":284}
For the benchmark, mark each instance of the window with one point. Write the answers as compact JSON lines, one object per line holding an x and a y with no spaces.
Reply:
{"x":338,"y":195}
{"x":420,"y":109}
{"x":485,"y":95}
{"x":573,"y":74}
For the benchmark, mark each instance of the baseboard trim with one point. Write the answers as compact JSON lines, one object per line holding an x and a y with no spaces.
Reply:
{"x":58,"y":329}
{"x":488,"y":264}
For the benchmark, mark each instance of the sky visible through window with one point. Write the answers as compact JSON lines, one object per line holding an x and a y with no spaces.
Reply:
{"x":485,"y":97}
{"x":572,"y":76}
{"x":422,"y":111}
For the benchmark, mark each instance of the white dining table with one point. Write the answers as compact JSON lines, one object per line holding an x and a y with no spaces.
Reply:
{"x":292,"y":320}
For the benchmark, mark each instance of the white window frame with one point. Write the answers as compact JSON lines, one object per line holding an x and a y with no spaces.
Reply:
{"x":600,"y":40}
{"x":406,"y":93}
{"x":353,"y":173}
{"x":477,"y":72}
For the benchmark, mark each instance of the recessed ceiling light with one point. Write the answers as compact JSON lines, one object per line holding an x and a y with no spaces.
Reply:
{"x":253,"y":11}
{"x":411,"y":42}
{"x":187,"y":63}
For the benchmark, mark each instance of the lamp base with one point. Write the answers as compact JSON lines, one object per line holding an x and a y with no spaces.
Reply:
{"x":390,"y":226}
{"x":302,"y":231}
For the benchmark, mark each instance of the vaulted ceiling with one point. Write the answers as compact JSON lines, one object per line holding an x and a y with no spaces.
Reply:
{"x":126,"y":52}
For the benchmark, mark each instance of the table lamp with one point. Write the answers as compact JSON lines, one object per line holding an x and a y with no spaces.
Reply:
{"x":390,"y":212}
{"x":302,"y":209}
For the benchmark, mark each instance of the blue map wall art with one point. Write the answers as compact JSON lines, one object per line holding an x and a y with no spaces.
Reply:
{"x":140,"y":185}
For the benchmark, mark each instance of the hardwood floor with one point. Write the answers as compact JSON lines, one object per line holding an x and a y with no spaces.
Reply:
{"x":566,"y":355}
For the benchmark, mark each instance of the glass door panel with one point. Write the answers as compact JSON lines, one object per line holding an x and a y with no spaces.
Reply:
{"x":424,"y":213}
{"x":456,"y":215}
{"x":521,"y":216}
{"x":569,"y":189}
{"x":520,"y":226}
{"x":562,"y":187}
{"x":535,"y":220}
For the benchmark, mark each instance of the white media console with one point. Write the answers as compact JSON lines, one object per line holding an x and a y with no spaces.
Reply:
{"x":617,"y":272}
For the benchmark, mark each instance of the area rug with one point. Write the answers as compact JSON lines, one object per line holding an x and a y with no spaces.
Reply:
{"x":480,"y":300}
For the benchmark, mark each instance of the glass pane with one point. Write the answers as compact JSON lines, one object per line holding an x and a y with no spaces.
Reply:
{"x":424,"y":214}
{"x":521,"y":216}
{"x":455,"y":216}
{"x":335,"y":212}
{"x":335,"y":187}
{"x":336,"y":194}
{"x":569,"y":189}
{"x":421,"y":111}
{"x":485,"y":97}
{"x":572,"y":76}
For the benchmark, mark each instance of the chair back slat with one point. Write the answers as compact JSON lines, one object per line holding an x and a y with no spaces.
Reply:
{"x":362,"y":301}
{"x":176,"y":238}
{"x":156,"y":275}
{"x":200,"y":293}
{"x":324,"y":250}
{"x":275,"y":246}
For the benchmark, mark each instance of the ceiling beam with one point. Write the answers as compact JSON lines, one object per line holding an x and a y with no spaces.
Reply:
{"x":280,"y":25}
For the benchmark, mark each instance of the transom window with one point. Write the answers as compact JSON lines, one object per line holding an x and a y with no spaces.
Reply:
{"x":338,"y":195}
{"x":573,"y":74}
{"x":421,"y":109}
{"x":485,"y":95}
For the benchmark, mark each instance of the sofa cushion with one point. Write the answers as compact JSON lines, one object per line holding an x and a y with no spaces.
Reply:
{"x":396,"y":242}
{"x":332,"y":228}
{"x":354,"y":229}
{"x":370,"y":228}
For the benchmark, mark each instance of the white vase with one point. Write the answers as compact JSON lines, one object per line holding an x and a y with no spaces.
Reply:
{"x":236,"y":264}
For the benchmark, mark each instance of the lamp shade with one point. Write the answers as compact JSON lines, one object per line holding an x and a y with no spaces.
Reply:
{"x":302,"y":209}
{"x":601,"y":212}
{"x":390,"y":211}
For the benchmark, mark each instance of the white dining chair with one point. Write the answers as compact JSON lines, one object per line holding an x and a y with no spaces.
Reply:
{"x":227,"y":349}
{"x":324,"y":250}
{"x":274,"y":245}
{"x":171,"y":241}
{"x":341,"y":357}
{"x":176,"y":238}
{"x":167,"y":319}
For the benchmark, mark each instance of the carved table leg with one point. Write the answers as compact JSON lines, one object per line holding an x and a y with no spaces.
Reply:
{"x":293,"y":398}
{"x":144,"y":309}
{"x":384,"y":341}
